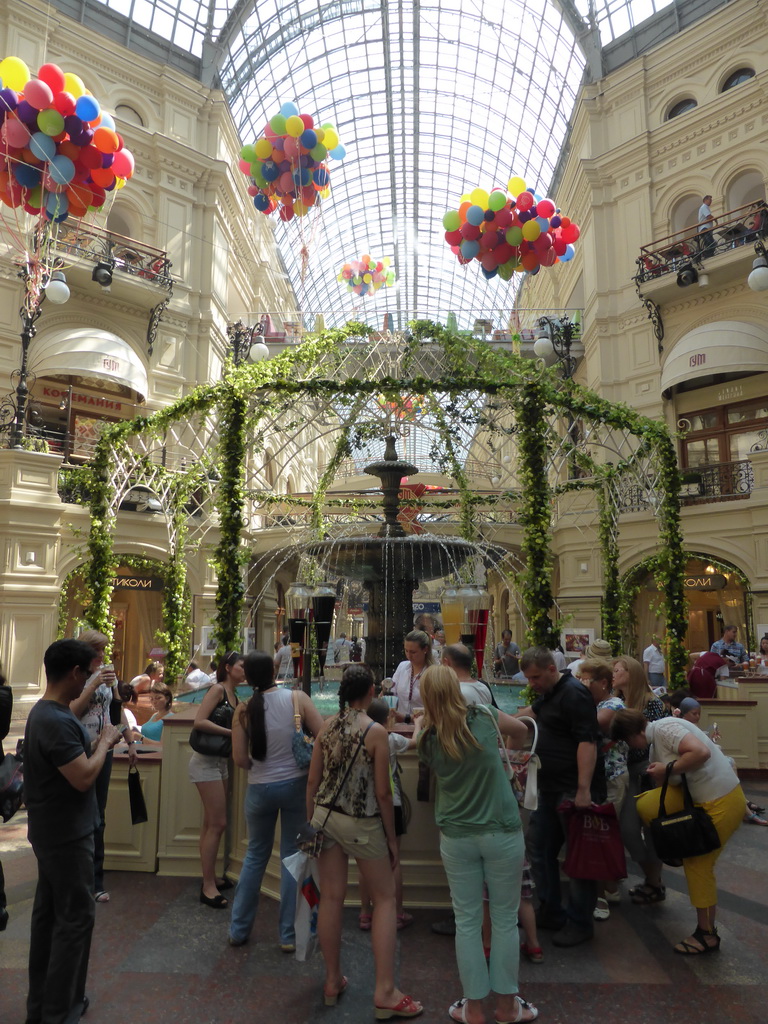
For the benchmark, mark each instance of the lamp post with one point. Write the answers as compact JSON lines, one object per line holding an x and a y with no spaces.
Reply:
{"x":37,"y":287}
{"x":554,"y":340}
{"x":758,"y":279}
{"x":245,"y":342}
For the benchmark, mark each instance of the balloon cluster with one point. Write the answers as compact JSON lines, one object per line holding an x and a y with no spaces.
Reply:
{"x":509,"y":230}
{"x":59,"y":151}
{"x":289,"y":163}
{"x":367,"y":275}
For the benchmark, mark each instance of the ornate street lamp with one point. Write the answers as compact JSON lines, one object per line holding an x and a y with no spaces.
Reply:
{"x":246,"y":343}
{"x":553,"y":342}
{"x":758,"y":279}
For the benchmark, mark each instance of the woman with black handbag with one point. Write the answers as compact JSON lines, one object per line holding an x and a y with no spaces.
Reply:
{"x":681,"y":753}
{"x":211,"y":742}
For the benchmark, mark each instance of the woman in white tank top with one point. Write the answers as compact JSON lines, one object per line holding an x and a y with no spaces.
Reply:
{"x":262,"y":735}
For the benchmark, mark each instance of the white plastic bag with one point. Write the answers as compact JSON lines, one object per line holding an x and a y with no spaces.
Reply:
{"x":305,"y":871}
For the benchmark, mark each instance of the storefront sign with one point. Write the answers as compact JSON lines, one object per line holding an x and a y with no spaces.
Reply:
{"x":138,"y":583}
{"x":706,"y":581}
{"x":430,"y":607}
{"x":81,"y":399}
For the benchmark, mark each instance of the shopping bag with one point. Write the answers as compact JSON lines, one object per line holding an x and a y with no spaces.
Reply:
{"x":304,"y":870}
{"x":136,"y":797}
{"x":11,"y":783}
{"x":595,"y":846}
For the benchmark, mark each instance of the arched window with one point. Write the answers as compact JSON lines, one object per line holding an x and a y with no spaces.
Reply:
{"x":737,"y":77}
{"x":685,"y":214}
{"x":747,"y":187}
{"x":681,"y":107}
{"x":121,"y":223}
{"x":125,"y":113}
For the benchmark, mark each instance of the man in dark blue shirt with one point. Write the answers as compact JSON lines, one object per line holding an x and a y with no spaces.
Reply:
{"x":571,"y":769}
{"x":59,"y":772}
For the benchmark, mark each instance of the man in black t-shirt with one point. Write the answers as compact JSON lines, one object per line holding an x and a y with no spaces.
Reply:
{"x":571,"y":769}
{"x":59,"y":772}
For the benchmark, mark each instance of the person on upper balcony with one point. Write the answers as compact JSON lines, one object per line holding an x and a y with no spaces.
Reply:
{"x":729,"y":647}
{"x":706,"y":223}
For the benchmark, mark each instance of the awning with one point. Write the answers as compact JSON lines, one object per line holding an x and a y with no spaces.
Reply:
{"x":87,"y":352}
{"x":726,"y":346}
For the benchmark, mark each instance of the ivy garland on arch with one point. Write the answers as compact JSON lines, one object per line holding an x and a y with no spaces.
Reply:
{"x":472,"y":368}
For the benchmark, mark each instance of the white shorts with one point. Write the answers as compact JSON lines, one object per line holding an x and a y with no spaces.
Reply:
{"x":204,"y":768}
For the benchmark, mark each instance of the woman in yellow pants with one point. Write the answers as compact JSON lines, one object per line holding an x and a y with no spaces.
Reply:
{"x":713,"y":784}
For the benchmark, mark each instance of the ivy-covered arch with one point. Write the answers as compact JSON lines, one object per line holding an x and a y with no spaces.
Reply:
{"x":562,"y":450}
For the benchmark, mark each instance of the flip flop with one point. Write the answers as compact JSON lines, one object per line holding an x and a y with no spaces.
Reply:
{"x":458,"y":1011}
{"x":403,"y":920}
{"x":331,"y":1000}
{"x":364,"y":922}
{"x":522,"y":1006}
{"x":101,"y":896}
{"x":407,"y":1007}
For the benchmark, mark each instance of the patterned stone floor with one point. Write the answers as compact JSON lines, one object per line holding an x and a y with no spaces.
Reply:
{"x":159,"y":956}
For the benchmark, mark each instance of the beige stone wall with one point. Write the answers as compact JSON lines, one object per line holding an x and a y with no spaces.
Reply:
{"x":626,"y":172}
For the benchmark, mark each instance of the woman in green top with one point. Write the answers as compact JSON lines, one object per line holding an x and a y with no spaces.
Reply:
{"x":481,"y":841}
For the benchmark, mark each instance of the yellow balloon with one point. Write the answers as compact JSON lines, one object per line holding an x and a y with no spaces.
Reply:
{"x":479,"y":197}
{"x":14,"y":73}
{"x":263,"y":149}
{"x":74,"y":85}
{"x":294,"y":126}
{"x":465,"y":198}
{"x":330,"y":139}
{"x":531,"y":230}
{"x":367,"y":278}
{"x":320,"y":135}
{"x":386,"y":261}
{"x":516,"y":185}
{"x":119,"y":182}
{"x":300,"y":208}
{"x":325,"y":192}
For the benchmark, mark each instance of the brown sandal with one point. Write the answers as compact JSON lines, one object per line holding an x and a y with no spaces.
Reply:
{"x":646,"y":894}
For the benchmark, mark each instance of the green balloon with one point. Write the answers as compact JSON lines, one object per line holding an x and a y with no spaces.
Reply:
{"x":452,"y":221}
{"x":497,"y":201}
{"x":277,"y":124}
{"x":258,"y":175}
{"x":514,"y":236}
{"x":319,"y":152}
{"x":506,"y":271}
{"x":50,"y":122}
{"x":248,"y":153}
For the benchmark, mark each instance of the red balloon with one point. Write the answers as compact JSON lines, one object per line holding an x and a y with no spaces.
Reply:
{"x":545,"y":207}
{"x":307,"y":120}
{"x":525,"y":201}
{"x":548,"y":257}
{"x":470,"y":231}
{"x":53,"y":77}
{"x":64,"y":102}
{"x":504,"y":218}
{"x":530,"y":261}
{"x":454,"y":237}
{"x":570,"y":233}
{"x":286,"y":213}
{"x":489,"y":241}
{"x":559,"y":245}
{"x":90,"y":157}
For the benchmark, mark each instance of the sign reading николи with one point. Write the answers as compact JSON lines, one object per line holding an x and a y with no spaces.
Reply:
{"x":138,"y":583}
{"x":706,"y":581}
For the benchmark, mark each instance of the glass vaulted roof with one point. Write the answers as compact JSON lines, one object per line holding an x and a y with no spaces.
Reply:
{"x":430,"y":98}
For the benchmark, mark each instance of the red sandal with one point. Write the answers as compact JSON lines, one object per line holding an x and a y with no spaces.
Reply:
{"x":534,"y":953}
{"x":407,"y":1007}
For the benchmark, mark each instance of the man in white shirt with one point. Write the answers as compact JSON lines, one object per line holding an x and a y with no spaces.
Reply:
{"x":342,"y":649}
{"x":459,"y":658}
{"x":653,"y":663}
{"x":706,"y":221}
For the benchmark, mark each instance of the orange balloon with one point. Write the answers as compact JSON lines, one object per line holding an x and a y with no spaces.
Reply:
{"x":69,"y":149}
{"x":106,"y":140}
{"x":29,"y":158}
{"x":463,"y":211}
{"x":530,"y":261}
{"x":79,"y":194}
{"x":103,"y":176}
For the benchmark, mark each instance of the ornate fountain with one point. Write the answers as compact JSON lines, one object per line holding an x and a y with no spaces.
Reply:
{"x":391,"y":564}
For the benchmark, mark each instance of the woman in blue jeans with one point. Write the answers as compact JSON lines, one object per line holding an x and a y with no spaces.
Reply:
{"x":262,"y":737}
{"x":481,"y":841}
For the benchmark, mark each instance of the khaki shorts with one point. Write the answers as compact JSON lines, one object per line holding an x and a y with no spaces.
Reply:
{"x":361,"y":838}
{"x":204,"y":768}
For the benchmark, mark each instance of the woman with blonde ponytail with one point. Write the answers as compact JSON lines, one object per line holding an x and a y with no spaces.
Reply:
{"x":481,"y":841}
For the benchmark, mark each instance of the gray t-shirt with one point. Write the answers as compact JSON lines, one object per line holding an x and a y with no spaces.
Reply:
{"x":57,"y":812}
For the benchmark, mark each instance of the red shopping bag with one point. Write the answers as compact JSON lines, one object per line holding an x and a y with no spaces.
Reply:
{"x":595,"y":846}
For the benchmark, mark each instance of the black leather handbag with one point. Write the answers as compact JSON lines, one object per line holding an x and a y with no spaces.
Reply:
{"x":687,"y":833}
{"x":214,"y":744}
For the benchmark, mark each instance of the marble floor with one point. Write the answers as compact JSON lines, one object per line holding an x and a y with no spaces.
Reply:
{"x":159,"y":956}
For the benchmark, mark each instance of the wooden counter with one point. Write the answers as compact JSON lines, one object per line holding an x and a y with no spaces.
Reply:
{"x":130,"y":847}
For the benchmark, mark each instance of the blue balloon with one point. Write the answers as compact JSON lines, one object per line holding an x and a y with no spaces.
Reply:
{"x":261,"y":202}
{"x":56,"y":203}
{"x":27,"y":177}
{"x":338,"y":152}
{"x":569,"y":253}
{"x":321,"y":177}
{"x":308,"y":139}
{"x":61,"y":169}
{"x":543,"y":223}
{"x":107,"y":121}
{"x":289,"y":110}
{"x":42,"y":146}
{"x":475,"y":215}
{"x":87,"y":108}
{"x":489,"y":274}
{"x":469,"y":248}
{"x":270,"y":170}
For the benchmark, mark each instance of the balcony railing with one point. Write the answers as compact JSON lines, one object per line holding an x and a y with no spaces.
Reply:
{"x":702,"y":485}
{"x":691,"y":245}
{"x":126,"y":255}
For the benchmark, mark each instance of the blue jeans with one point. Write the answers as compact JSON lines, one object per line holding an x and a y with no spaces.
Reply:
{"x":546,"y":838}
{"x":263,"y":801}
{"x":495,"y":858}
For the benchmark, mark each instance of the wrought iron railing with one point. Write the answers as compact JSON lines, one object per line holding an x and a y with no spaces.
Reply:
{"x":733,"y":229}
{"x":723,"y":481}
{"x":125,"y":255}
